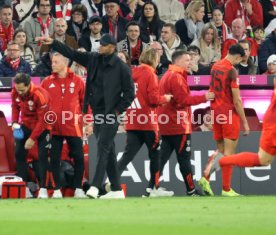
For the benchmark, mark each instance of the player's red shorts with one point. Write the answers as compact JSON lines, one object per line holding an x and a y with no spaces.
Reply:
{"x":268,"y":140}
{"x":227,"y":127}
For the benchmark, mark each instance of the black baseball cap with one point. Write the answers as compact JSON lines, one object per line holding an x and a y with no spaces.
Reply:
{"x":114,"y":1}
{"x":107,"y":39}
{"x":94,"y":18}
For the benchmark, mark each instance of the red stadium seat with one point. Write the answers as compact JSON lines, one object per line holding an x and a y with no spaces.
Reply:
{"x":7,"y":154}
{"x":253,"y":120}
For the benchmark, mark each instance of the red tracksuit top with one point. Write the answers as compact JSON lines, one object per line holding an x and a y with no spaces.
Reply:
{"x":174,"y":82}
{"x":32,"y":108}
{"x":67,"y":100}
{"x":147,"y":99}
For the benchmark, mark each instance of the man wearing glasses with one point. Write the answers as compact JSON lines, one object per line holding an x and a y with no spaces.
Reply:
{"x":39,"y":24}
{"x":12,"y":63}
{"x":113,"y":23}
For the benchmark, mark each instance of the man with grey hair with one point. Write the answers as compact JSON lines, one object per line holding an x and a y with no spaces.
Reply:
{"x":68,"y":91}
{"x":238,"y":29}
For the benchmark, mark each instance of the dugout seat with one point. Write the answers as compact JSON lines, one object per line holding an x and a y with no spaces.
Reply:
{"x":7,"y":147}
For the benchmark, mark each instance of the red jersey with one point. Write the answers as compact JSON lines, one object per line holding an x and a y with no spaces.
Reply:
{"x":178,"y":111}
{"x":68,"y":97}
{"x":223,"y":79}
{"x":269,"y":120}
{"x":147,"y":99}
{"x":32,"y":108}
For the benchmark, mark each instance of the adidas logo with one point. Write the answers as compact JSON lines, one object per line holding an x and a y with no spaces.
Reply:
{"x":52,"y":85}
{"x":135,"y":104}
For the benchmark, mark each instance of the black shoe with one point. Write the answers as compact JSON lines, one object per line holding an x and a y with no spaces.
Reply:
{"x":195,"y":193}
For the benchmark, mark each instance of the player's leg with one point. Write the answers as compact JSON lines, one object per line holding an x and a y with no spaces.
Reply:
{"x":182,"y":146}
{"x":133,"y":144}
{"x":166,"y":149}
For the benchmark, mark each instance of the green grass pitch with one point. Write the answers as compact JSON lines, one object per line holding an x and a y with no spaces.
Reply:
{"x":178,"y":215}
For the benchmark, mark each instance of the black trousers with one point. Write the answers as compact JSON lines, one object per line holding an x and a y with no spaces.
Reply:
{"x":106,"y":156}
{"x":181,"y":144}
{"x":76,"y":152}
{"x":21,"y":154}
{"x":135,"y":140}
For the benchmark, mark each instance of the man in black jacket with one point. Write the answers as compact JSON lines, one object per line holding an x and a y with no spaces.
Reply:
{"x":109,"y":92}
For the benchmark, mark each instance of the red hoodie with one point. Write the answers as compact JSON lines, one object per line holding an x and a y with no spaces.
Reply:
{"x":174,"y":82}
{"x":32,"y":107}
{"x":68,"y":97}
{"x":146,"y":100}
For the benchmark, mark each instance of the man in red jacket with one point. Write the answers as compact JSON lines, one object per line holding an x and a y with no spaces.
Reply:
{"x":176,"y":132}
{"x":250,"y":11}
{"x":32,"y":103}
{"x":67,"y":92}
{"x":141,"y":124}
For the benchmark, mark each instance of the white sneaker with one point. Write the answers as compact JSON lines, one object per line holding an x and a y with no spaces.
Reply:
{"x":160,"y":192}
{"x":43,"y":193}
{"x":79,"y":193}
{"x":93,"y":192}
{"x":28,"y":193}
{"x":57,"y":194}
{"x":114,"y":195}
{"x":107,"y":187}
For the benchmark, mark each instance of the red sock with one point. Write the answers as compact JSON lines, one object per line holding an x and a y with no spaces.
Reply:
{"x":226,"y":172}
{"x":245,"y":159}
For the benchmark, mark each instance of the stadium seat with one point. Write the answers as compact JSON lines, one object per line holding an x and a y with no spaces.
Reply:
{"x":7,"y":159}
{"x":253,"y":120}
{"x":197,"y":118}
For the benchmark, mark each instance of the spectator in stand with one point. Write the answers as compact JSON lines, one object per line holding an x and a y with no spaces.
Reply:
{"x":127,"y":9}
{"x":113,"y":23}
{"x":207,"y":121}
{"x":258,"y":38}
{"x":12,"y":63}
{"x":150,"y":23}
{"x":26,"y":51}
{"x":246,"y":66}
{"x":124,"y":57}
{"x":132,"y":44}
{"x":91,"y":41}
{"x":40,"y":23}
{"x":269,"y":11}
{"x":60,"y":27}
{"x":7,"y":26}
{"x":189,"y":28}
{"x":94,"y":7}
{"x":170,"y":41}
{"x":23,"y":9}
{"x":62,"y":8}
{"x":250,"y":11}
{"x":78,"y":69}
{"x":209,"y":45}
{"x":170,"y":11}
{"x":139,"y":9}
{"x":197,"y":68}
{"x":238,"y":33}
{"x":210,"y":5}
{"x":271,"y":65}
{"x":43,"y":67}
{"x":267,"y":48}
{"x":78,"y":23}
{"x":163,"y":63}
{"x":223,"y":30}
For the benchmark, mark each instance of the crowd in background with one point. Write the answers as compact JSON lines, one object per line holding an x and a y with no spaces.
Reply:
{"x":206,"y":28}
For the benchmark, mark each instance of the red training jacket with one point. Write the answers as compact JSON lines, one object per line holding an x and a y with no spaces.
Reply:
{"x":67,"y":101}
{"x":178,"y":111}
{"x":147,"y":99}
{"x":32,"y":107}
